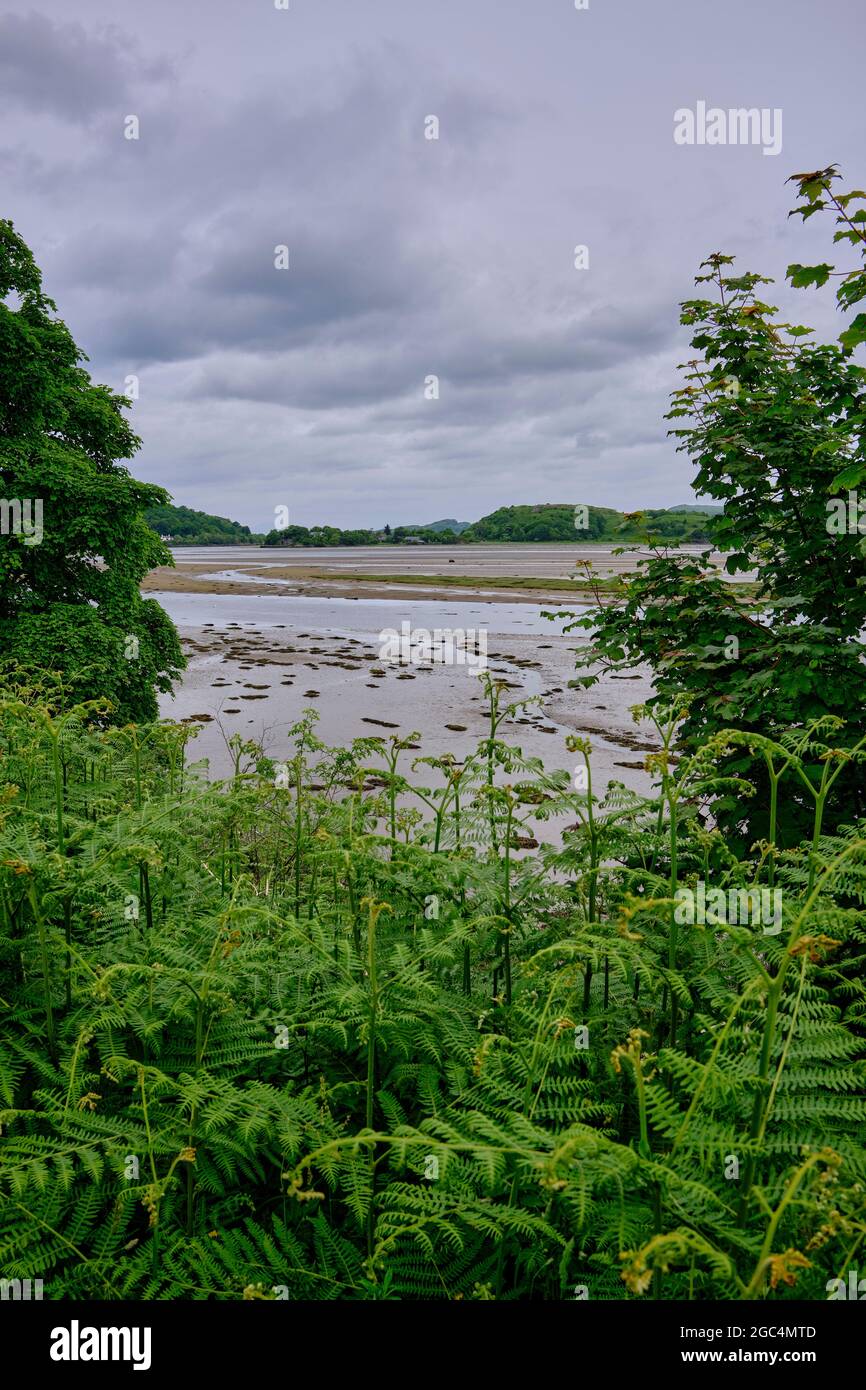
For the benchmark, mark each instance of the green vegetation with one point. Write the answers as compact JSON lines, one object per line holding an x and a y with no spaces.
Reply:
{"x":589,"y":586}
{"x":312,"y":1030}
{"x":319,"y":536}
{"x":73,"y":544}
{"x":182,"y":526}
{"x":449,"y":524}
{"x":775,"y":426}
{"x":332,"y":535}
{"x":556,"y":522}
{"x":544,"y":522}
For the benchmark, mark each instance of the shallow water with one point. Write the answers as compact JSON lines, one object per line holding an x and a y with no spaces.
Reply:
{"x":551,"y":560}
{"x":244,"y":650}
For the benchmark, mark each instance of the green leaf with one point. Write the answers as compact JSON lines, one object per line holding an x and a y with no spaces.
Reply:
{"x":855,"y":333}
{"x":851,"y":476}
{"x":801,"y":276}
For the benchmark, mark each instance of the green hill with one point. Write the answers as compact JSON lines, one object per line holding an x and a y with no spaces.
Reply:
{"x":547,"y":521}
{"x":458,"y":527}
{"x":555,"y":521}
{"x":183,"y":526}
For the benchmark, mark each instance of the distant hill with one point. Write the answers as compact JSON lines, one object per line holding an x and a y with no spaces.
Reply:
{"x":555,"y":521}
{"x":183,"y":526}
{"x":707,"y":508}
{"x":458,"y":527}
{"x":546,"y":521}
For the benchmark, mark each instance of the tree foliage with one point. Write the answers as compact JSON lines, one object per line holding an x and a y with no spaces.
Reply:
{"x":69,"y":598}
{"x":183,"y":526}
{"x":775,"y":426}
{"x":557,"y":522}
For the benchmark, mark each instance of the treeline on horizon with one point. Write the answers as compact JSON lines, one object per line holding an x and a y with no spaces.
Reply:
{"x":539,"y":522}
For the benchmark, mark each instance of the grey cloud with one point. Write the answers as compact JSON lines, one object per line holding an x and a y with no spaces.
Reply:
{"x":408,"y":257}
{"x":65,"y":70}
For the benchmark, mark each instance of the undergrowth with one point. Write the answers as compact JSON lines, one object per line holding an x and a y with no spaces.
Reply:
{"x":338,"y":1029}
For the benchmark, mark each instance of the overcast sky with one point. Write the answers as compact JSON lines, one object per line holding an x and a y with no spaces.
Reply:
{"x":410,"y":257}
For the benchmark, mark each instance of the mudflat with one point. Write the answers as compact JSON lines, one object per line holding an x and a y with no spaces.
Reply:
{"x":257,"y":660}
{"x":491,"y":573}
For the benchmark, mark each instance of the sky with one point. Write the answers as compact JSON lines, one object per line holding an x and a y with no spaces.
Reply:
{"x":310,"y":385}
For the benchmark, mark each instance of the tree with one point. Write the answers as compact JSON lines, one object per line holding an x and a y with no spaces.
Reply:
{"x":69,"y":585}
{"x":290,"y":535}
{"x":775,"y":426}
{"x":184,"y":526}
